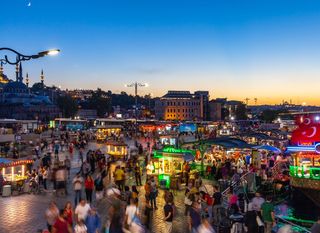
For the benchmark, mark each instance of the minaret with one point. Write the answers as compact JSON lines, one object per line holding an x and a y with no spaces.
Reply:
{"x":20,"y":73}
{"x":42,"y":77}
{"x":17,"y":72}
{"x":27,"y":80}
{"x":1,"y":69}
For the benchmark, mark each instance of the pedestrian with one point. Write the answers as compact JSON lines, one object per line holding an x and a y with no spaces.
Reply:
{"x":250,"y":220}
{"x":257,"y":202}
{"x":147,"y":212}
{"x":52,"y":214}
{"x":194,"y":219}
{"x":216,"y":199}
{"x":267,"y":212}
{"x":132,"y":217}
{"x":69,"y":210}
{"x":93,"y":221}
{"x":168,"y":215}
{"x":61,"y":225}
{"x":82,"y":210}
{"x":80,"y":227}
{"x":67,"y":163}
{"x":137,"y":174}
{"x":89,"y":185}
{"x":135,"y":193}
{"x":187,"y":202}
{"x":118,"y":177}
{"x":153,"y":193}
{"x":77,"y":187}
{"x":45,"y":176}
{"x":98,"y":183}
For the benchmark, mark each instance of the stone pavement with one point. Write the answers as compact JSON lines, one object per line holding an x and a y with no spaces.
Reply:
{"x":25,"y":213}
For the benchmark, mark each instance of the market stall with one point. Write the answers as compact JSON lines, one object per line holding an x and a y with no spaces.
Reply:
{"x":14,"y":173}
{"x":14,"y":170}
{"x":167,"y":165}
{"x":117,"y":149}
{"x":104,"y":132}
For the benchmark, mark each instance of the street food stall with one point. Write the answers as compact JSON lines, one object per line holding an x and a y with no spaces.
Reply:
{"x":117,"y":149}
{"x":14,"y":170}
{"x":103,"y":132}
{"x":14,"y":173}
{"x":167,"y":164}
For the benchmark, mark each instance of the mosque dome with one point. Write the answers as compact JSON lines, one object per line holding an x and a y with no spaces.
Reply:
{"x":15,"y":87}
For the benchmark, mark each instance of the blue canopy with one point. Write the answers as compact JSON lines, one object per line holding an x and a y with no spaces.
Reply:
{"x":188,"y":157}
{"x":269,"y":148}
{"x":5,"y":161}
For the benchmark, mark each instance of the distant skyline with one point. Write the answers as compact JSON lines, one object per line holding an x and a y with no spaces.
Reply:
{"x":236,"y":49}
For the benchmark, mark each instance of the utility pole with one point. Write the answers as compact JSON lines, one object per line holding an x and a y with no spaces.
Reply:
{"x":136,"y":85}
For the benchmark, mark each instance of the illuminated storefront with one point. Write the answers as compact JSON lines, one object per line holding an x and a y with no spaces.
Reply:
{"x":167,"y":164}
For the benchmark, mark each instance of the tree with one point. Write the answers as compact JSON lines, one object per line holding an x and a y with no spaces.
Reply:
{"x":67,"y":105}
{"x":100,"y":101}
{"x":241,"y":112}
{"x":270,"y":115}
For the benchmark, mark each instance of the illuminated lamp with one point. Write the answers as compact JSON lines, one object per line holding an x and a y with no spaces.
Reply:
{"x":317,"y":118}
{"x":317,"y":148}
{"x":301,"y":119}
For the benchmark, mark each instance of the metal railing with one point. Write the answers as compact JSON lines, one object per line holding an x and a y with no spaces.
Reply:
{"x":233,"y":185}
{"x":285,"y":221}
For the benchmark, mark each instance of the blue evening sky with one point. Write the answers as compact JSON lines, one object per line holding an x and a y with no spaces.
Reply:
{"x":268,"y":50}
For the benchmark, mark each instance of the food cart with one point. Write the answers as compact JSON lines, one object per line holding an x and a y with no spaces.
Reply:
{"x":167,"y":165}
{"x":14,"y":173}
{"x":103,"y":132}
{"x":117,"y":149}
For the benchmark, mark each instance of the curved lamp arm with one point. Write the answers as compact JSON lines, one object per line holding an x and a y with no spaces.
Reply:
{"x":22,"y":57}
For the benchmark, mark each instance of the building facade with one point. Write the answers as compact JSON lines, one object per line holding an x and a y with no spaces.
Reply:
{"x":182,"y":106}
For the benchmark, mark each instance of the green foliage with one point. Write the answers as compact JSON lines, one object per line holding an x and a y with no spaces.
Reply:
{"x":241,"y":112}
{"x":269,"y":115}
{"x":100,"y":100}
{"x":68,"y":106}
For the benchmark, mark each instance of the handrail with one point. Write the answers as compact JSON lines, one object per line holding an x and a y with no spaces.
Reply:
{"x":292,"y":224}
{"x":224,"y":193}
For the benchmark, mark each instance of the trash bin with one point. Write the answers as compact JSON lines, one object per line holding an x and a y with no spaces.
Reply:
{"x":6,"y":191}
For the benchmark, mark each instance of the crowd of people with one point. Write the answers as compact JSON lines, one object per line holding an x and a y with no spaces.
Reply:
{"x":133,"y":197}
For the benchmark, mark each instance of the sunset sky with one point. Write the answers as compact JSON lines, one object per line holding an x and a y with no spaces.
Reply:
{"x":268,"y":50}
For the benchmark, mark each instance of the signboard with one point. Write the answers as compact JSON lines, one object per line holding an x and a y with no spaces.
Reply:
{"x":189,"y":127}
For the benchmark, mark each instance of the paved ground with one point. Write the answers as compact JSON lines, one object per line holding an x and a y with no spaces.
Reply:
{"x":25,"y":213}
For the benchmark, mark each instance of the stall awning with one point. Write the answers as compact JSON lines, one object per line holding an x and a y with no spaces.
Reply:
{"x":269,"y":148}
{"x":188,"y":157}
{"x":229,"y":143}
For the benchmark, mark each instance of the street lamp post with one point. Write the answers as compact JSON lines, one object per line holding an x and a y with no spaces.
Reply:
{"x":22,"y":57}
{"x":136,"y":85}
